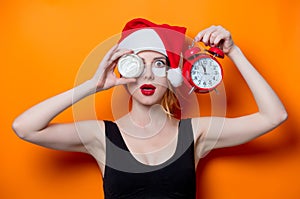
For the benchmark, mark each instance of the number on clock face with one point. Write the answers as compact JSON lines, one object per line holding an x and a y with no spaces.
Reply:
{"x":206,"y":73}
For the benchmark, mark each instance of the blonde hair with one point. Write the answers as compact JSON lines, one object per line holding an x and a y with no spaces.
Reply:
{"x":170,"y":104}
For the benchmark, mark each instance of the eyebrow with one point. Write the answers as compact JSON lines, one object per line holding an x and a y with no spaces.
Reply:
{"x":156,"y":58}
{"x":160,"y":58}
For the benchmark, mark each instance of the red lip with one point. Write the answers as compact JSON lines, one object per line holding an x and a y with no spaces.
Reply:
{"x":147,"y":89}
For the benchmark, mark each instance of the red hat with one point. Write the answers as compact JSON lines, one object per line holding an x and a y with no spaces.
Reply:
{"x":140,"y":34}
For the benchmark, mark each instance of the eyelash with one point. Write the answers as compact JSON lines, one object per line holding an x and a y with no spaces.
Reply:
{"x":160,"y":61}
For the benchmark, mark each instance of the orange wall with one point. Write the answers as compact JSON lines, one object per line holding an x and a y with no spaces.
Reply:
{"x":43,"y":44}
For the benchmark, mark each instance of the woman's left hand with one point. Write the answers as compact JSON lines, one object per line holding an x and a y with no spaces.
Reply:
{"x":216,"y":36}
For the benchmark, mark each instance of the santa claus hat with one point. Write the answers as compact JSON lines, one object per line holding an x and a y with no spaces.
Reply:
{"x":140,"y":34}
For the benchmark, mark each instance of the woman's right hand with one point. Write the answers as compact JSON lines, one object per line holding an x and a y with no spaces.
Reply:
{"x":105,"y":77}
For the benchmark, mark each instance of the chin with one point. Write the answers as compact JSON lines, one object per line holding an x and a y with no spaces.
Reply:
{"x":147,"y":100}
{"x":150,"y":102}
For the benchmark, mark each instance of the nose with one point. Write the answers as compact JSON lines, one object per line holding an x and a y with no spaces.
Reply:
{"x":148,"y":74}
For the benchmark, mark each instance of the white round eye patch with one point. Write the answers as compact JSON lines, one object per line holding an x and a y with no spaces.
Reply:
{"x":132,"y":66}
{"x":160,"y":72}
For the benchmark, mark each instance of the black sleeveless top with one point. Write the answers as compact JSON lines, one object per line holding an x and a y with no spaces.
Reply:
{"x":126,"y":177}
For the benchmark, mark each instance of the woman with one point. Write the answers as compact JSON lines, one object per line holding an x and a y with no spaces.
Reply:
{"x":150,"y":152}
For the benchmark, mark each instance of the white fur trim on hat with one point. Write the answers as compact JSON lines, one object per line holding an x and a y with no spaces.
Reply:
{"x":144,"y":39}
{"x":175,"y":76}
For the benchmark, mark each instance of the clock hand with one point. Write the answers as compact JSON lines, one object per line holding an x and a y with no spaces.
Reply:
{"x":204,"y":68}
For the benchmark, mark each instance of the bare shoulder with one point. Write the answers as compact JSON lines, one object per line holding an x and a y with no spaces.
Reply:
{"x":92,"y":129}
{"x":92,"y":134}
{"x":199,"y":125}
{"x":208,"y":123}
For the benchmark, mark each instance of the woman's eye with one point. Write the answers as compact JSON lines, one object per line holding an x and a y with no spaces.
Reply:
{"x":159,"y":64}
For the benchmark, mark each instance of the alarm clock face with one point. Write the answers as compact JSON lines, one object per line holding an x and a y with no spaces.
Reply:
{"x":206,"y":73}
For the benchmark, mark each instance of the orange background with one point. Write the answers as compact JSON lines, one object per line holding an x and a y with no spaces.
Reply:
{"x":43,"y":44}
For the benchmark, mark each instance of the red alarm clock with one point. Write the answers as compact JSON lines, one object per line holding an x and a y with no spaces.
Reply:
{"x":201,"y":69}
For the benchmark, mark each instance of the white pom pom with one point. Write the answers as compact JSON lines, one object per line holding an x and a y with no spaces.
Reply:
{"x":175,"y":76}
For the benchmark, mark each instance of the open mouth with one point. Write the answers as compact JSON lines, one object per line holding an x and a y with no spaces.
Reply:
{"x":147,"y":89}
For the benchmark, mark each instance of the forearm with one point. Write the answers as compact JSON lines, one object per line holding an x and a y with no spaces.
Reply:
{"x":268,"y":102}
{"x":39,"y":116}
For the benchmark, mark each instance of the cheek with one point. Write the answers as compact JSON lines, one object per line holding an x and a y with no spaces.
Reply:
{"x":159,"y":72}
{"x":161,"y":90}
{"x":130,"y":88}
{"x":162,"y":82}
{"x":161,"y":86}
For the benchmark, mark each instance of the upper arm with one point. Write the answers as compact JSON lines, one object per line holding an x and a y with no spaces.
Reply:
{"x":68,"y":136}
{"x":219,"y":132}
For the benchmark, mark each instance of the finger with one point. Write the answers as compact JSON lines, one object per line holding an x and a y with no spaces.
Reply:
{"x":216,"y":37}
{"x":103,"y":65}
{"x":112,"y":62}
{"x":113,"y":54}
{"x":119,"y":53}
{"x":109,"y":61}
{"x":123,"y":80}
{"x":207,"y":35}
{"x":222,"y":35}
{"x":199,"y":36}
{"x":110,"y":53}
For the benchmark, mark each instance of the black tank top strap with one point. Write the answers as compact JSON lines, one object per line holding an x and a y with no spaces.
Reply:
{"x":185,"y":136}
{"x":112,"y":132}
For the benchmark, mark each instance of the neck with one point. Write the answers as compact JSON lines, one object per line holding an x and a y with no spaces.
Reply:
{"x":144,"y":115}
{"x":144,"y":122}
